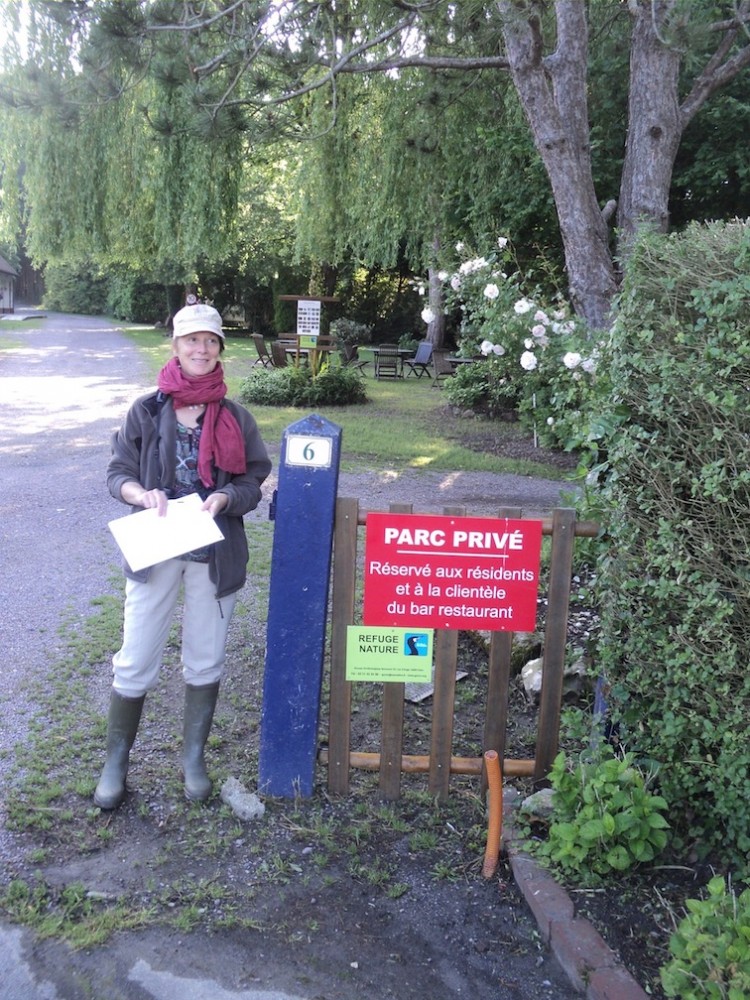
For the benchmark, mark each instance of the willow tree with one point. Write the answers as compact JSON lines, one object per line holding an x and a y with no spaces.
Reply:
{"x":389,"y":183}
{"x":246,"y":64}
{"x":117,"y":175}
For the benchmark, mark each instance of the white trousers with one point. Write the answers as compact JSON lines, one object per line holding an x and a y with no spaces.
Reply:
{"x":149,"y":609}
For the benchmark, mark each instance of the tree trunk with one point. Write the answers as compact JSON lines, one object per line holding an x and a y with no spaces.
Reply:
{"x":436,"y":299}
{"x":552,"y":91}
{"x":175,"y":295}
{"x":655,"y":125}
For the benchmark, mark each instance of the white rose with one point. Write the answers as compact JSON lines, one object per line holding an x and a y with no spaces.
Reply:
{"x":528,"y":361}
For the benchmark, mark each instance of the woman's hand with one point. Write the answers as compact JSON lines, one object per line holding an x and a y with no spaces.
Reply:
{"x":154,"y":498}
{"x":215,"y":503}
{"x":135,"y":494}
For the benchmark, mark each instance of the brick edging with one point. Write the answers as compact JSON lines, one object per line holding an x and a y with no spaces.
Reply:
{"x":589,"y":963}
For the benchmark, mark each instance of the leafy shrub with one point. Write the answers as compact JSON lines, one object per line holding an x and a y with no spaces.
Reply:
{"x":711,"y":947}
{"x":350,"y":332}
{"x":544,"y":365}
{"x":131,"y":298}
{"x":483,"y":388}
{"x":75,"y":288}
{"x":408,"y":342}
{"x":676,"y":498}
{"x":296,"y":386}
{"x":605,"y":820}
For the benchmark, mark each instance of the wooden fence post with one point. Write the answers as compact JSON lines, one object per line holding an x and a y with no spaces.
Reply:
{"x":555,"y":640}
{"x":344,"y":584}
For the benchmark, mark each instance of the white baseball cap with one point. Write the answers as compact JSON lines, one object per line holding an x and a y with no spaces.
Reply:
{"x":199,"y":318}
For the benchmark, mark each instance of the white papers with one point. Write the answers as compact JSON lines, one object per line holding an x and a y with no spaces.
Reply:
{"x":145,"y":538}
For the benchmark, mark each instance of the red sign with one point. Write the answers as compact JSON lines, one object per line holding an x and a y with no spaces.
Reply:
{"x":434,"y":571}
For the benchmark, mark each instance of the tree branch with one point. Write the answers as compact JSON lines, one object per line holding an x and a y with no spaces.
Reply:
{"x":714,"y":76}
{"x":428,"y":62}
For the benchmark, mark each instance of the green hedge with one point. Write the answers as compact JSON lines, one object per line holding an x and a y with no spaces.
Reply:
{"x":130,"y":298}
{"x":75,"y":288}
{"x":675,"y":587}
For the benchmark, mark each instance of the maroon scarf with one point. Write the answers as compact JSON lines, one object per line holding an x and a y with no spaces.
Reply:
{"x":221,"y":440}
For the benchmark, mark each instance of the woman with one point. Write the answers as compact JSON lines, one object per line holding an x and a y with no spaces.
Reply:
{"x":184,"y":438}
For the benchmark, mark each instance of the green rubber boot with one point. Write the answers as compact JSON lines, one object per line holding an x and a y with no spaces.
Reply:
{"x":200,"y":703}
{"x":122,"y":725}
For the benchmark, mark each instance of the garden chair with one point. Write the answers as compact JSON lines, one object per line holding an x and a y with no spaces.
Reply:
{"x":419,"y":365}
{"x":441,"y":367}
{"x":351,"y":359}
{"x":278,"y":354}
{"x":388,"y":362}
{"x":264,"y":358}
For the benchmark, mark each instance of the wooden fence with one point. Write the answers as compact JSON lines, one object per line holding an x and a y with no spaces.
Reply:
{"x":391,"y":762}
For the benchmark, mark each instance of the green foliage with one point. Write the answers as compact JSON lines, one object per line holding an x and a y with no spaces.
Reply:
{"x":408,"y":342}
{"x":711,"y":947}
{"x":75,"y":288}
{"x":411,"y":133}
{"x":676,"y":502}
{"x":130,"y":298}
{"x":386,"y":301}
{"x":605,"y":820}
{"x":484,"y":388}
{"x":297,"y":386}
{"x":350,"y":332}
{"x":71,"y":913}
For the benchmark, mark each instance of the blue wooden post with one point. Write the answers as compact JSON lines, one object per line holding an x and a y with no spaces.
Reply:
{"x":298,"y":604}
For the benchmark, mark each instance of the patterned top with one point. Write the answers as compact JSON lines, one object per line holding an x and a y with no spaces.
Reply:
{"x":186,"y":476}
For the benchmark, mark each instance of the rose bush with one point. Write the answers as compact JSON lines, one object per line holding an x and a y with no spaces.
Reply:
{"x":541,"y":363}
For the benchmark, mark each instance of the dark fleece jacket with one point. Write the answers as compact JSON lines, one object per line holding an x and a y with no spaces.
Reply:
{"x":143,"y":450}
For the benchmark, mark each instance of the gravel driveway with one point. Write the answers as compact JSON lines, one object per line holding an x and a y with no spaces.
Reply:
{"x":65,"y":383}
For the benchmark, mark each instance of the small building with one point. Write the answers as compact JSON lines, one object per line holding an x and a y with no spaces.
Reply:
{"x":8,"y":275}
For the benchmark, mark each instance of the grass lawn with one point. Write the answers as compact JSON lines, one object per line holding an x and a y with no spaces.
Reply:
{"x":406,"y":423}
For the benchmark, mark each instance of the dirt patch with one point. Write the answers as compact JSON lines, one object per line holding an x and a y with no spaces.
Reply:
{"x":508,"y":440}
{"x":323,"y":897}
{"x":326,"y":898}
